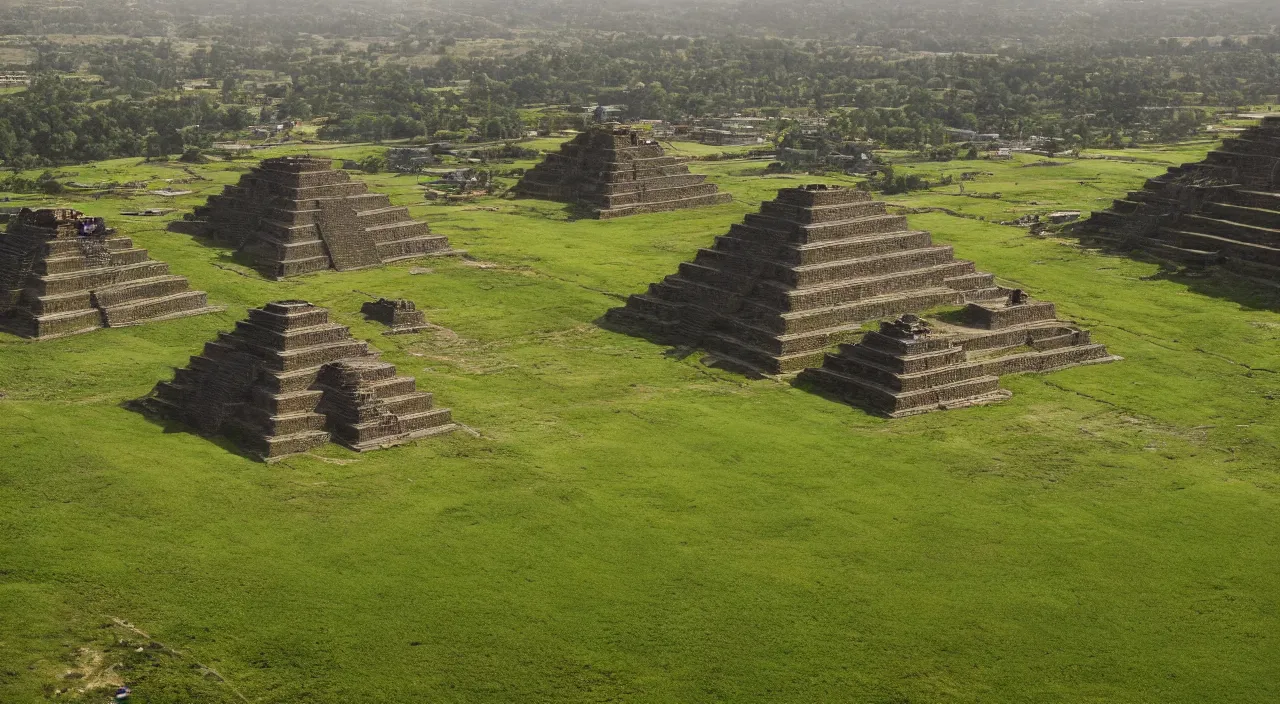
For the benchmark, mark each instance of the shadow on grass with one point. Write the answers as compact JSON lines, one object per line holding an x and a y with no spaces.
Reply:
{"x":1208,"y":280}
{"x":803,"y":383}
{"x":170,"y":426}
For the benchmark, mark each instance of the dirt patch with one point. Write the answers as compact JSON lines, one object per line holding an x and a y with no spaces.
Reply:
{"x":93,"y":672}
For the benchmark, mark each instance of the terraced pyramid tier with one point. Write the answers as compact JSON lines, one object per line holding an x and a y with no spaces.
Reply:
{"x":1222,"y":211}
{"x":616,"y":171}
{"x":287,"y":380}
{"x":294,"y":215}
{"x":914,"y":366}
{"x":62,"y":273}
{"x":800,"y":276}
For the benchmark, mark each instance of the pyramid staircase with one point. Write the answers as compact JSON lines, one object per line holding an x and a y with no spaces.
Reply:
{"x":294,"y":215}
{"x":911,"y":366}
{"x":800,"y":276}
{"x":616,"y":171}
{"x":1223,"y":211}
{"x":62,"y":273}
{"x":287,"y":380}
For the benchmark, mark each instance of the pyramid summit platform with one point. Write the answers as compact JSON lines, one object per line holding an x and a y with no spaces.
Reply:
{"x":800,"y":276}
{"x":288,"y":380}
{"x":298,"y":214}
{"x":616,"y":171}
{"x":1223,"y":211}
{"x":63,"y":273}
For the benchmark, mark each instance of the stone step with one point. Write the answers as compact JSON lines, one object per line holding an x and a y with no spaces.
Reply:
{"x":789,"y":299}
{"x":296,"y":336}
{"x":820,"y":252}
{"x":827,"y":231}
{"x":1224,"y":246}
{"x":1254,"y":199}
{"x":404,"y":229}
{"x":808,"y":215}
{"x":274,"y":404}
{"x":295,"y":267}
{"x":710,"y":199}
{"x":63,"y":303}
{"x":977,"y":390}
{"x":383,"y":216}
{"x":413,"y":247}
{"x":141,"y":289}
{"x":76,"y":262}
{"x":371,"y":435}
{"x":60,"y":324}
{"x":655,"y":195}
{"x":1048,"y":360}
{"x":878,"y":265}
{"x":1244,"y":215}
{"x":283,"y":445}
{"x":156,"y":309}
{"x":1263,"y":235}
{"x":97,"y":278}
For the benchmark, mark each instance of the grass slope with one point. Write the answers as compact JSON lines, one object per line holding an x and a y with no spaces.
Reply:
{"x":631,"y":525}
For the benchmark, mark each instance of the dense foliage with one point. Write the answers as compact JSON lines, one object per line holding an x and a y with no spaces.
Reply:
{"x":406,"y":72}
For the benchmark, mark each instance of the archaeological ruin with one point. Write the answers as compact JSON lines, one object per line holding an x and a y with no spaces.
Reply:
{"x":912,"y":365}
{"x":800,"y":276}
{"x":62,"y":273}
{"x":616,"y":171}
{"x":402,"y":316}
{"x":287,"y":380}
{"x":294,"y":215}
{"x":1223,"y":211}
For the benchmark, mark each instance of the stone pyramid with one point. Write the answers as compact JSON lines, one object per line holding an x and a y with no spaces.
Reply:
{"x":287,"y":380}
{"x":294,"y":215}
{"x":1223,"y":211}
{"x":615,"y":171}
{"x":914,"y":366}
{"x":62,"y":273}
{"x":800,"y":276}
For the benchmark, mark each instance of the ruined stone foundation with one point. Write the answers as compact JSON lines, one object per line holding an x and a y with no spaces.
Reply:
{"x":616,"y":171}
{"x":287,"y":380}
{"x":800,"y":276}
{"x":62,"y":273}
{"x":914,"y":366}
{"x":293,"y":215}
{"x":1223,"y":211}
{"x":402,"y":316}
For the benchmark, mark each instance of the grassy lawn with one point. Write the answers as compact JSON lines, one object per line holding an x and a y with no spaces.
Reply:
{"x":625,"y":524}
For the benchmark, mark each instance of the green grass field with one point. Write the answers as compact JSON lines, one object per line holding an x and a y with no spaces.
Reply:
{"x":627,"y":524}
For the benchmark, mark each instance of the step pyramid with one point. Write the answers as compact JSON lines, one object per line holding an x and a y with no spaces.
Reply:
{"x":293,"y":215}
{"x":287,"y":380}
{"x":62,"y":273}
{"x":800,"y":276}
{"x":1222,"y":211}
{"x":912,"y":366}
{"x":617,"y":171}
